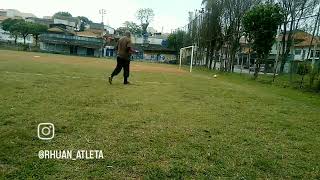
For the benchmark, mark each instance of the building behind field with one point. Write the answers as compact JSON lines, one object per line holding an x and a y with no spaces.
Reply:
{"x":154,"y":52}
{"x":154,"y":49}
{"x":13,"y":13}
{"x":63,"y":41}
{"x":299,"y":53}
{"x":46,"y":22}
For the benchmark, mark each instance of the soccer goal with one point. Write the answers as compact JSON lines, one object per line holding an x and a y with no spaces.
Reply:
{"x":186,"y":56}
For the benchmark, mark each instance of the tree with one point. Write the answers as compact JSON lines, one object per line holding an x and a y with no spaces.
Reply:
{"x":262,"y":23}
{"x":313,"y":72}
{"x":145,"y":16}
{"x":177,"y":40}
{"x":83,"y":22}
{"x":37,"y":29}
{"x":18,"y":27}
{"x":133,"y":28}
{"x":121,"y":31}
{"x":62,"y":14}
{"x":24,"y":29}
{"x":224,"y":18}
{"x":212,"y":30}
{"x":10,"y":25}
{"x":294,"y":11}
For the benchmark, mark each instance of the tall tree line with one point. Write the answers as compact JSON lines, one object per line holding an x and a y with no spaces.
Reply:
{"x":217,"y":28}
{"x":216,"y":31}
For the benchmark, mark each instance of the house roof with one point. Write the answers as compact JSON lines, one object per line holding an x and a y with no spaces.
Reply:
{"x":96,"y":31}
{"x":96,"y":26}
{"x":2,"y":18}
{"x":59,"y":30}
{"x":88,"y":34}
{"x":56,"y":29}
{"x":42,"y":21}
{"x":307,"y":42}
{"x":302,"y":39}
{"x":70,"y":19}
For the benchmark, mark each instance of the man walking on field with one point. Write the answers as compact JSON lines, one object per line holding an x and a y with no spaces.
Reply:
{"x":124,"y":49}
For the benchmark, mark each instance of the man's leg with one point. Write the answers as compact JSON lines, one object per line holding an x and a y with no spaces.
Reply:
{"x":126,"y":71}
{"x":117,"y":70}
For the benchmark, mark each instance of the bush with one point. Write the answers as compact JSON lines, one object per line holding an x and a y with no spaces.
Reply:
{"x":313,"y":74}
{"x":318,"y":85}
{"x":304,"y":68}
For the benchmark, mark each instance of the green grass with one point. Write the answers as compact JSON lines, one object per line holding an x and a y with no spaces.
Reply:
{"x":165,"y":125}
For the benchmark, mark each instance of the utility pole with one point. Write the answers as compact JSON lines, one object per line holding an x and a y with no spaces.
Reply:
{"x":102,"y":12}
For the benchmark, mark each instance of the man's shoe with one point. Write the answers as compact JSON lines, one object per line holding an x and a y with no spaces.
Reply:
{"x":110,"y":80}
{"x":126,"y":83}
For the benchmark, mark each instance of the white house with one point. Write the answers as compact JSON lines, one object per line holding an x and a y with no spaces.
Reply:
{"x":109,"y":29}
{"x":151,"y":40}
{"x":71,"y":22}
{"x":302,"y":44}
{"x":300,"y":49}
{"x":11,"y":13}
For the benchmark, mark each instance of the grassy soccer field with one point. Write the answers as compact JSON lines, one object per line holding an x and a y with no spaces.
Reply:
{"x":167,"y":124}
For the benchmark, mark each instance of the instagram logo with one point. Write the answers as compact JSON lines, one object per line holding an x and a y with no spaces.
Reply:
{"x":45,"y":131}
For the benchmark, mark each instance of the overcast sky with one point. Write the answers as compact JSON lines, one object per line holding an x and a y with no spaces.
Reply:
{"x":169,"y":14}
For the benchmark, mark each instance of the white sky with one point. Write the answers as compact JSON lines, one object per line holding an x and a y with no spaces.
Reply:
{"x":169,"y":14}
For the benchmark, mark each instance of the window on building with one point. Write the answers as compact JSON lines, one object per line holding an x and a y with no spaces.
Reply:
{"x":297,"y":52}
{"x":318,"y":54}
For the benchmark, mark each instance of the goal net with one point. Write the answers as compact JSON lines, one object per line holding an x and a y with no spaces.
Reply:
{"x":187,"y":56}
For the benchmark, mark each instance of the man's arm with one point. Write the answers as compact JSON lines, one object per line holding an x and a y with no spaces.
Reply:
{"x":129,"y":47}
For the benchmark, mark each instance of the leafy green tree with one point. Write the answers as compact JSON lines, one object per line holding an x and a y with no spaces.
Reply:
{"x":10,"y":26}
{"x":262,"y":23}
{"x":222,"y":22}
{"x":121,"y":31}
{"x":6,"y":24}
{"x":133,"y":28}
{"x":24,"y":29}
{"x":37,"y":29}
{"x":211,"y":29}
{"x":62,"y":14}
{"x":83,"y":22}
{"x":177,"y":40}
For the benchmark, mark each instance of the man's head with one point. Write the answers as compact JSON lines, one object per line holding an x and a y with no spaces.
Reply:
{"x":128,"y":34}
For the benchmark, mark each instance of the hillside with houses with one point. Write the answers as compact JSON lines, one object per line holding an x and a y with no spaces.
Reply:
{"x":69,"y":35}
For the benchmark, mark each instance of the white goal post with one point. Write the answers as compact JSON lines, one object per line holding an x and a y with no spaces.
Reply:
{"x":183,"y":52}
